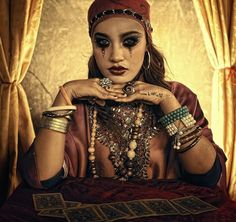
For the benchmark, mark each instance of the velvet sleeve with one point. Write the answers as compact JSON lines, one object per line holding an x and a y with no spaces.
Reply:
{"x":186,"y":97}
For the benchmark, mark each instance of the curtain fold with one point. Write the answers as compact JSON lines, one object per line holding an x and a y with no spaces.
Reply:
{"x":217,"y":19}
{"x":19,"y":25}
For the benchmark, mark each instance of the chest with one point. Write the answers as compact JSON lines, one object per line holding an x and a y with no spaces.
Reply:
{"x":114,"y":131}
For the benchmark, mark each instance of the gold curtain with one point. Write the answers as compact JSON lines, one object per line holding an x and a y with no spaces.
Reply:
{"x":217,"y":19}
{"x":18,"y":31}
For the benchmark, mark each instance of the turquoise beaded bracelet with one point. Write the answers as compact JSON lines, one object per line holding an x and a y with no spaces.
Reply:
{"x":173,"y":116}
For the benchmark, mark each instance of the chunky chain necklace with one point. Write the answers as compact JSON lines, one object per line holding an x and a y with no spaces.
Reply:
{"x":127,"y":135}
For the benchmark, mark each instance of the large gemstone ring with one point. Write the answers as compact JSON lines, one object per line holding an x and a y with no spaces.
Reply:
{"x":105,"y":83}
{"x":129,"y":89}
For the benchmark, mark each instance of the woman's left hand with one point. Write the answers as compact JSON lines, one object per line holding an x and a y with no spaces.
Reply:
{"x":148,"y":93}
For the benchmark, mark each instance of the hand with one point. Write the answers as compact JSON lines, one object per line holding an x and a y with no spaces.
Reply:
{"x":148,"y":93}
{"x":88,"y":88}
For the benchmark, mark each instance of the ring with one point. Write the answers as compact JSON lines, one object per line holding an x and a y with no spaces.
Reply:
{"x":129,"y":89}
{"x":105,"y":83}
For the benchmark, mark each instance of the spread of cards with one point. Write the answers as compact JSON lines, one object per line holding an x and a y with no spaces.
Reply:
{"x":53,"y":205}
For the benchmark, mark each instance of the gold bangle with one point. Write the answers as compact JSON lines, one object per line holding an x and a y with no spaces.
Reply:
{"x":60,"y":125}
{"x":55,"y":128}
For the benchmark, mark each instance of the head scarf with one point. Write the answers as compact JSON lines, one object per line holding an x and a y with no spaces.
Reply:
{"x":138,"y":10}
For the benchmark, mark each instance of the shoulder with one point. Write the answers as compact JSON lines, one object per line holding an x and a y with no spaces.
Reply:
{"x":183,"y":94}
{"x":179,"y":89}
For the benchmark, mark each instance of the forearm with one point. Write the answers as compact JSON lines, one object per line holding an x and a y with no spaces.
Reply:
{"x":49,"y":148}
{"x":200,"y":158}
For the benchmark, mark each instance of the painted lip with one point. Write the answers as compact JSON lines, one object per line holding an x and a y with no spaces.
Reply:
{"x":117,"y":69}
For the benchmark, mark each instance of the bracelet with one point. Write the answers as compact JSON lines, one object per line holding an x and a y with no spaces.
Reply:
{"x":59,"y":125}
{"x":52,"y":115}
{"x":183,"y":137}
{"x":61,"y":108}
{"x":65,"y":95}
{"x":174,"y":115}
{"x":189,"y":146}
{"x":60,"y":111}
{"x":188,"y":122}
{"x":59,"y":114}
{"x":189,"y":137}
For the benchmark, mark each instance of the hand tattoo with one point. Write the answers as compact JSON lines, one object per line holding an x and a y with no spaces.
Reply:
{"x":156,"y":94}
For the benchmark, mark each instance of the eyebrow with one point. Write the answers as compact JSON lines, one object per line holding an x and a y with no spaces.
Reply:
{"x":122,"y":35}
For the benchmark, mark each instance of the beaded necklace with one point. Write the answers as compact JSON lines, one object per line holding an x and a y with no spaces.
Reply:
{"x":132,"y":147}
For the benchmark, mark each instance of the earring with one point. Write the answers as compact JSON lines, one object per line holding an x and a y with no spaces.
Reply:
{"x":148,"y":60}
{"x":103,"y":52}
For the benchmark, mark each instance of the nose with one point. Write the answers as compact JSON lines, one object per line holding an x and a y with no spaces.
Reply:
{"x":116,"y":53}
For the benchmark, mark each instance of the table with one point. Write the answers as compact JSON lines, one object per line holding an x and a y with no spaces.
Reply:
{"x":19,"y":207}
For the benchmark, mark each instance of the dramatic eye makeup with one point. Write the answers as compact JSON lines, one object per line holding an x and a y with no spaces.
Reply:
{"x":131,"y":41}
{"x":101,"y":40}
{"x":128,"y":40}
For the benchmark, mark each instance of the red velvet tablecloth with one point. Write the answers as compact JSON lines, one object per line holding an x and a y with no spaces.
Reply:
{"x":19,"y":206}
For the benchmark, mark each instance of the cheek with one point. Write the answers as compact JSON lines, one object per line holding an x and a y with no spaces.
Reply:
{"x":98,"y":57}
{"x":137,"y":58}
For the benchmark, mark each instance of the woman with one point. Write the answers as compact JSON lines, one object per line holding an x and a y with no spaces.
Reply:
{"x":129,"y":122}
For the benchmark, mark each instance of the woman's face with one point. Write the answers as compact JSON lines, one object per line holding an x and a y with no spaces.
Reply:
{"x":119,"y":46}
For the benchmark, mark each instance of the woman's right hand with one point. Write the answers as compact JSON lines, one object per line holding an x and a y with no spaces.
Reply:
{"x":84,"y":88}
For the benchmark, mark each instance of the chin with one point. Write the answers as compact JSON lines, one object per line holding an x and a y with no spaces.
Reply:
{"x":120,"y":80}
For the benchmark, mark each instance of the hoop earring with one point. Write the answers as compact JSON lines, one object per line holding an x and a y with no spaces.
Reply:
{"x":148,"y":60}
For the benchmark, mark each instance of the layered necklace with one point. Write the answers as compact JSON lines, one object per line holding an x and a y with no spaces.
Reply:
{"x":127,"y":135}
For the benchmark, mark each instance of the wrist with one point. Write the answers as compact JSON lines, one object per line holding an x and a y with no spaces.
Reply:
{"x":169,"y":104}
{"x":63,"y":97}
{"x":66,"y":92}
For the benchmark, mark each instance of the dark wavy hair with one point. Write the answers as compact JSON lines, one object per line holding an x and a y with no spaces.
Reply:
{"x":154,"y":75}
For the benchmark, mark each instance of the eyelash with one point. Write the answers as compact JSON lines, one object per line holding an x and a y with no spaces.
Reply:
{"x":128,"y":42}
{"x":131,"y":42}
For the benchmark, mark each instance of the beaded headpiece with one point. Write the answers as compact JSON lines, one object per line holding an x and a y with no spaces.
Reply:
{"x":134,"y":9}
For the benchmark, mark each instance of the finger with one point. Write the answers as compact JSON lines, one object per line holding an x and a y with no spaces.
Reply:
{"x":118,"y":92}
{"x":129,"y":98}
{"x":112,"y":91}
{"x":136,"y":83}
{"x":118,"y":86}
{"x":103,"y":94}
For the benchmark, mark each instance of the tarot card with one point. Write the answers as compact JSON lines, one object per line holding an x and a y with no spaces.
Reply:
{"x":139,"y":209}
{"x":110,"y":212}
{"x":121,"y":206}
{"x":160,"y":207}
{"x":48,"y":201}
{"x":52,"y":213}
{"x":71,"y":204}
{"x":181,"y":210}
{"x":193,"y":204}
{"x":82,"y":214}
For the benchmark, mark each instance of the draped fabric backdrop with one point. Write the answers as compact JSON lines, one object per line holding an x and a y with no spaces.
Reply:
{"x":18,"y":31}
{"x":217,"y":19}
{"x":63,"y":49}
